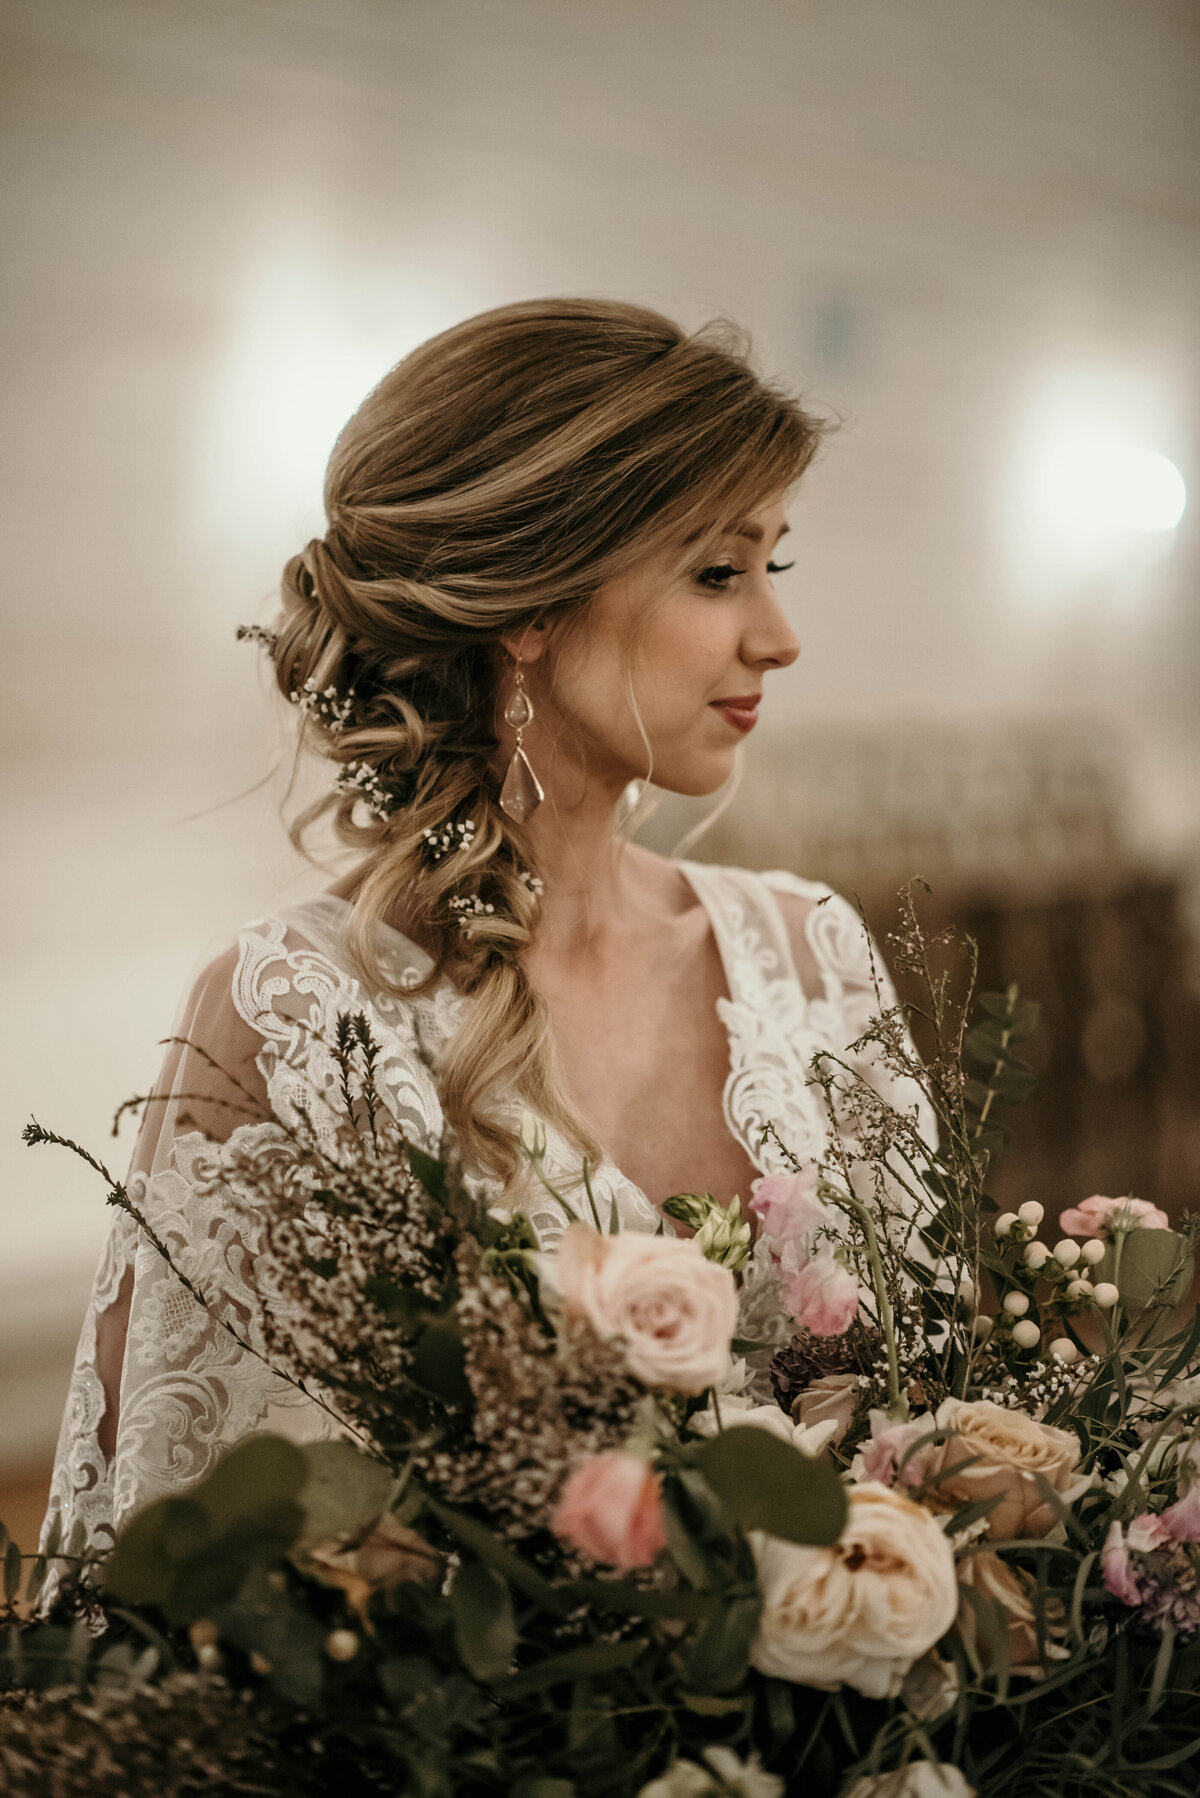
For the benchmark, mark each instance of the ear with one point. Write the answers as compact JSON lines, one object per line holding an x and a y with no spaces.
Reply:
{"x":527,"y":645}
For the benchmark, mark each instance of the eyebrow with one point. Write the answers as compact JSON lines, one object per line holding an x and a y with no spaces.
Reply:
{"x":753,"y":532}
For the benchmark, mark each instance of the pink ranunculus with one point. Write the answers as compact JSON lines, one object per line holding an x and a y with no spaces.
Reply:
{"x":888,"y":1444}
{"x":823,"y":1295}
{"x":1096,"y":1216}
{"x":1181,"y":1521}
{"x":787,"y":1205}
{"x":1146,"y":1533}
{"x":1115,"y":1569}
{"x":611,"y":1510}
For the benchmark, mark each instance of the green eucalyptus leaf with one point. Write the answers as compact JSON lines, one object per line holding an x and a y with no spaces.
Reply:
{"x":708,"y":1704}
{"x":764,"y":1483}
{"x":186,"y":1554}
{"x":1156,"y":1268}
{"x":990,"y":1139}
{"x":258,"y":1471}
{"x":1020,"y":1017}
{"x":484,"y":1630}
{"x":1013,"y":1082}
{"x":987,"y":1043}
{"x":429,"y":1171}
{"x":344,"y":1490}
{"x":718,"y":1657}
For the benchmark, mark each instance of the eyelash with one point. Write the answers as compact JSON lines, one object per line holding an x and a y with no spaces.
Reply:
{"x":717,"y":578}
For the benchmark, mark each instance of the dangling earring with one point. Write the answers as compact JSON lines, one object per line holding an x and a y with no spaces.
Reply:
{"x":522,"y":792}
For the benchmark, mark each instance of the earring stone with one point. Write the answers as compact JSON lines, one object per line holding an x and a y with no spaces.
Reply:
{"x":522,"y":791}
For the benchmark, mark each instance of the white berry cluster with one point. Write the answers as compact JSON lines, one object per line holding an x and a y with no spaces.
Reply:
{"x":1065,"y":1268}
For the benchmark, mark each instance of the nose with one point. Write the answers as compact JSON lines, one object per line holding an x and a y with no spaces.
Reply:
{"x":769,"y":640}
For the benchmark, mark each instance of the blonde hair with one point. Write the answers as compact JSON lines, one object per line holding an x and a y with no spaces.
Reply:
{"x":493,"y":480}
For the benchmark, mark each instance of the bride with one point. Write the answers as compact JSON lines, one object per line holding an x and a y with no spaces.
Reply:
{"x":548,"y":573}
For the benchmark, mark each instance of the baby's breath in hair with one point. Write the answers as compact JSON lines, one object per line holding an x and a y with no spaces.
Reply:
{"x":447,"y":837}
{"x":364,"y":779}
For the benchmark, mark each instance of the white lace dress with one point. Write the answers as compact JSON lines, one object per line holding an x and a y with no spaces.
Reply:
{"x":159,"y":1388}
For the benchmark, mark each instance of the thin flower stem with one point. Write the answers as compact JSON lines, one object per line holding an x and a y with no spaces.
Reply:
{"x":119,"y":1198}
{"x":898,"y":1405}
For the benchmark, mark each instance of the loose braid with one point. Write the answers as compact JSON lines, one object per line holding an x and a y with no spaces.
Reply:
{"x":492,"y":481}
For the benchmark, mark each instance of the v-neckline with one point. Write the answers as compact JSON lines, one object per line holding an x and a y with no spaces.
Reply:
{"x":697,"y":877}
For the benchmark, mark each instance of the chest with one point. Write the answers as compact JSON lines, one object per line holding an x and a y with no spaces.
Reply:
{"x":645,"y":1059}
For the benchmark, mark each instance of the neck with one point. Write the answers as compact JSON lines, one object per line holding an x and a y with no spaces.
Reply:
{"x":582,"y":861}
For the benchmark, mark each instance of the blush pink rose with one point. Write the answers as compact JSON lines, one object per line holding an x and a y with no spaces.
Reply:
{"x":611,"y":1511}
{"x":1097,"y":1215}
{"x":823,"y":1295}
{"x":787,"y":1206}
{"x":1181,"y":1521}
{"x":674,"y":1311}
{"x":887,"y":1446}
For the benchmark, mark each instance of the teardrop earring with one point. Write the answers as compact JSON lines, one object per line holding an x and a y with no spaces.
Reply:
{"x":522,"y":792}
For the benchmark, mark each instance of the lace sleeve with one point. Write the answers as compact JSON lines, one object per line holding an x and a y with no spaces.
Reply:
{"x":160,"y":1386}
{"x":854,"y":986}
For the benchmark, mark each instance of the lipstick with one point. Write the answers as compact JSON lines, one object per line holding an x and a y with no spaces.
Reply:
{"x":741,"y":711}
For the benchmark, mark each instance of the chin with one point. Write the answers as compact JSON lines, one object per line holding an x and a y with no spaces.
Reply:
{"x":699,"y":780}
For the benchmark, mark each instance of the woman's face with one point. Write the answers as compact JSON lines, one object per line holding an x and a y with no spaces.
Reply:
{"x":663,"y":676}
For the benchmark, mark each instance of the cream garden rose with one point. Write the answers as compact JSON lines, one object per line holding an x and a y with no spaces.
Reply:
{"x":674,"y":1311}
{"x":1013,"y":1449}
{"x":860,"y":1612}
{"x":735,"y":1412}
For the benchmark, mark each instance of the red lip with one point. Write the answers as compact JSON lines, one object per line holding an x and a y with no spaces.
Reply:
{"x":741,"y":712}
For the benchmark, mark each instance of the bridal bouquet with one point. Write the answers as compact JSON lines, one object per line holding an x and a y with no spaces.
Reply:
{"x":934,"y":1531}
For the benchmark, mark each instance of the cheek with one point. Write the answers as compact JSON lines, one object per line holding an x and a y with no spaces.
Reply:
{"x":681,"y":653}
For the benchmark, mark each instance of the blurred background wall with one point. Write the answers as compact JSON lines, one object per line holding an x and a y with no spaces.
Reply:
{"x":967,"y":227}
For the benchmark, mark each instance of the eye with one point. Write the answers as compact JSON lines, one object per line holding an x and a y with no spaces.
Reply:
{"x":779,"y":567}
{"x":717,"y":577}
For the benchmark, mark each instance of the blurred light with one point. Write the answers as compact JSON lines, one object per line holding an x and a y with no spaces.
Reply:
{"x":308,"y":339}
{"x":1098,"y":485}
{"x":1090,"y":504}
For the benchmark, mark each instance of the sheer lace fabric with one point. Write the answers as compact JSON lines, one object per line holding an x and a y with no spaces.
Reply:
{"x":160,"y":1386}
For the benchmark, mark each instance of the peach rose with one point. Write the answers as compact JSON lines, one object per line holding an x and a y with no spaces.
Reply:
{"x":1013,"y":1449}
{"x":674,"y":1311}
{"x":831,"y":1399}
{"x":389,"y":1555}
{"x":860,"y":1612}
{"x":611,"y":1510}
{"x":1097,"y":1216}
{"x":1009,"y":1588}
